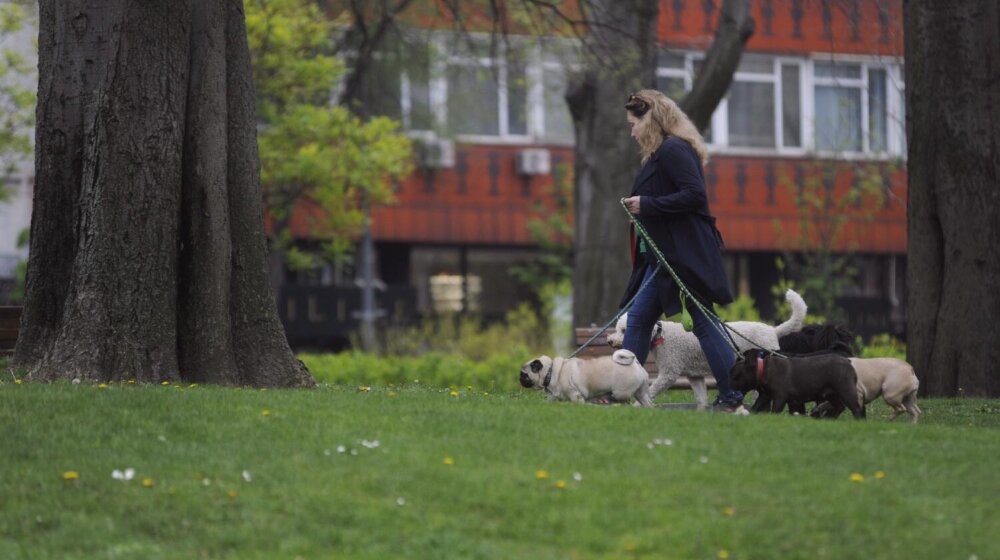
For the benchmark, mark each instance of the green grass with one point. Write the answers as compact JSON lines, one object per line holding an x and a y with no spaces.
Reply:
{"x":787,"y":479}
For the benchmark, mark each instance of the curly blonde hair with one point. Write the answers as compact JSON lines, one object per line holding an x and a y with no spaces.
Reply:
{"x":659,"y":117}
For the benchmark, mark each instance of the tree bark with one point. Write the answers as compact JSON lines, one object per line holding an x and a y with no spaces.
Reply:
{"x":148,"y":259}
{"x":953,"y":132}
{"x":620,"y":57}
{"x":712,"y":82}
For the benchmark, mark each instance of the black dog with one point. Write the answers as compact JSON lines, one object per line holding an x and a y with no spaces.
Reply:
{"x":810,"y":339}
{"x":816,"y":338}
{"x":780,"y":379}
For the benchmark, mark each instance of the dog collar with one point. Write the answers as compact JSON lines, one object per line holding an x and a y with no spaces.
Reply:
{"x":657,"y":341}
{"x":548,"y":376}
{"x":760,"y":370}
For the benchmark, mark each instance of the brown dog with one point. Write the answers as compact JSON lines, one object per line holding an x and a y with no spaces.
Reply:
{"x":822,"y":377}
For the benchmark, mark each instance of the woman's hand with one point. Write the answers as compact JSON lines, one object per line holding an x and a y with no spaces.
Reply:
{"x":632,"y":203}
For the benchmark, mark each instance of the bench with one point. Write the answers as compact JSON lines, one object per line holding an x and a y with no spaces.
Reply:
{"x":599,"y":347}
{"x":10,"y":325}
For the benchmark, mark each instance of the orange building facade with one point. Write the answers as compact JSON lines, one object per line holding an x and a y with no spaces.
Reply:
{"x":816,"y":108}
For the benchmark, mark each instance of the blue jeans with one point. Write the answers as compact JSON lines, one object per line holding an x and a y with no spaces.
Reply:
{"x":644,"y":313}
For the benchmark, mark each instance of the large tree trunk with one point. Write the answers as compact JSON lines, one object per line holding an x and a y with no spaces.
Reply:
{"x":621,"y":58}
{"x":953,"y":131}
{"x":148,"y":259}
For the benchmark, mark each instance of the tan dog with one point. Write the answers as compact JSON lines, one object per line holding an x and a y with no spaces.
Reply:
{"x":891,"y":378}
{"x":618,"y":375}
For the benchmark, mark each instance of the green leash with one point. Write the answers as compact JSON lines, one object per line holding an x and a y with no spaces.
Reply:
{"x":686,"y":320}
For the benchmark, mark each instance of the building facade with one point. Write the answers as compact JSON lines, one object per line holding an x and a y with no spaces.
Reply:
{"x":815,"y":113}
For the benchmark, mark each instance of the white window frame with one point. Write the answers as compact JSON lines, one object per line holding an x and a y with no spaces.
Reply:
{"x":894,"y":87}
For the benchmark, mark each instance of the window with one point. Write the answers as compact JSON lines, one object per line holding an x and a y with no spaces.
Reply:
{"x":557,"y":64}
{"x":763,"y":108}
{"x":487,"y":92}
{"x":854,"y":108}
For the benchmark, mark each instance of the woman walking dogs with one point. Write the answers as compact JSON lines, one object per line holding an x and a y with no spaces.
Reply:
{"x":668,"y":198}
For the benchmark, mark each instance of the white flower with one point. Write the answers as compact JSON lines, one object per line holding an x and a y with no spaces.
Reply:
{"x":127,"y":474}
{"x":668,"y":442}
{"x":370,"y":444}
{"x":206,"y":481}
{"x":703,"y":459}
{"x":326,"y":452}
{"x":577,"y":476}
{"x":649,"y":446}
{"x":400,"y":501}
{"x":354,"y":451}
{"x":246,"y":476}
{"x":76,"y":381}
{"x":341,"y":449}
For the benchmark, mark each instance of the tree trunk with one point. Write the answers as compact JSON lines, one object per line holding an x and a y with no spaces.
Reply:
{"x":953,"y":132}
{"x":622,"y":58}
{"x":148,"y":259}
{"x":712,"y":82}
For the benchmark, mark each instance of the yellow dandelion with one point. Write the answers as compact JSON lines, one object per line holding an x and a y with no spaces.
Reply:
{"x":723,"y":554}
{"x":192,"y":386}
{"x":729,"y":511}
{"x":392,"y":393}
{"x":448,"y":461}
{"x":857,"y":477}
{"x":71,"y":475}
{"x":131,"y":381}
{"x":541,"y":475}
{"x":102,"y":386}
{"x":468,"y":387}
{"x":164,"y":383}
{"x":148,"y":483}
{"x":454,"y":393}
{"x":879,"y":475}
{"x":17,"y":382}
{"x":265,"y":412}
{"x":231,"y":494}
{"x":560,"y":484}
{"x":364,"y":389}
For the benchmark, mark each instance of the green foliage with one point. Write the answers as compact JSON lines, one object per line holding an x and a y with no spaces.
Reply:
{"x":551,"y":228}
{"x":433,"y":369}
{"x":743,"y":308}
{"x":312,"y":153}
{"x":882,"y":346}
{"x":783,"y":309}
{"x":521,"y":332}
{"x":391,"y":494}
{"x":17,"y":97}
{"x":818,"y":256}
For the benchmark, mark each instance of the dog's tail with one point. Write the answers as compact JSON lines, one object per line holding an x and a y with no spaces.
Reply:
{"x":623,"y":357}
{"x":794,"y":323}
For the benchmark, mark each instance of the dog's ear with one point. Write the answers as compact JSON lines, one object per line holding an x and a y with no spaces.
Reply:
{"x":536,"y":366}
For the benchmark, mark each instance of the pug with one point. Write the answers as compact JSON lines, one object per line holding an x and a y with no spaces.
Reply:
{"x":619,"y":375}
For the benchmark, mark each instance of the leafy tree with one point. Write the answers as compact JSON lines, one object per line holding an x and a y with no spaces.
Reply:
{"x":314,"y":153}
{"x":17,"y":98}
{"x":818,"y":254}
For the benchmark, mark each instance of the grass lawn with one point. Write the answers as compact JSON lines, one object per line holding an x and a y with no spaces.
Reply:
{"x":425,"y":474}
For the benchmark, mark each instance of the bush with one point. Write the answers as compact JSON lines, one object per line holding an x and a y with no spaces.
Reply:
{"x":498,"y":372}
{"x":883,"y":346}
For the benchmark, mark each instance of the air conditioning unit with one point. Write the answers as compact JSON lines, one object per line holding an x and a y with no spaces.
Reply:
{"x":435,"y":153}
{"x":534,"y":162}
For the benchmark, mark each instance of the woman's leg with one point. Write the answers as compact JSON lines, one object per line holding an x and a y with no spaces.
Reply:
{"x":642,"y":316}
{"x":718,"y":352}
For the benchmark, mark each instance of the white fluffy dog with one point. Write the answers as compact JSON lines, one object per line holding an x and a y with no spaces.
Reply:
{"x":678,"y":353}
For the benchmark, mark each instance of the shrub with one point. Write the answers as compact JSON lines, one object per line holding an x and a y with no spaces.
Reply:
{"x":883,"y":346}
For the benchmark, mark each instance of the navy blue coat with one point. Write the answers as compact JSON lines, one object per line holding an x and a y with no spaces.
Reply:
{"x":673,"y":208}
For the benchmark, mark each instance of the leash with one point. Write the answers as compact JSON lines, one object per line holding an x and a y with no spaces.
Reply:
{"x":613,"y":320}
{"x":717,"y":323}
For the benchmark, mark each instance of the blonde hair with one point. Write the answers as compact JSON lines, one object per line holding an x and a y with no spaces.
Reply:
{"x":659,"y":117}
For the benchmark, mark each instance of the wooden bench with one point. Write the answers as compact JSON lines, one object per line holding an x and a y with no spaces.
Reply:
{"x":599,"y":347}
{"x":10,"y":325}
